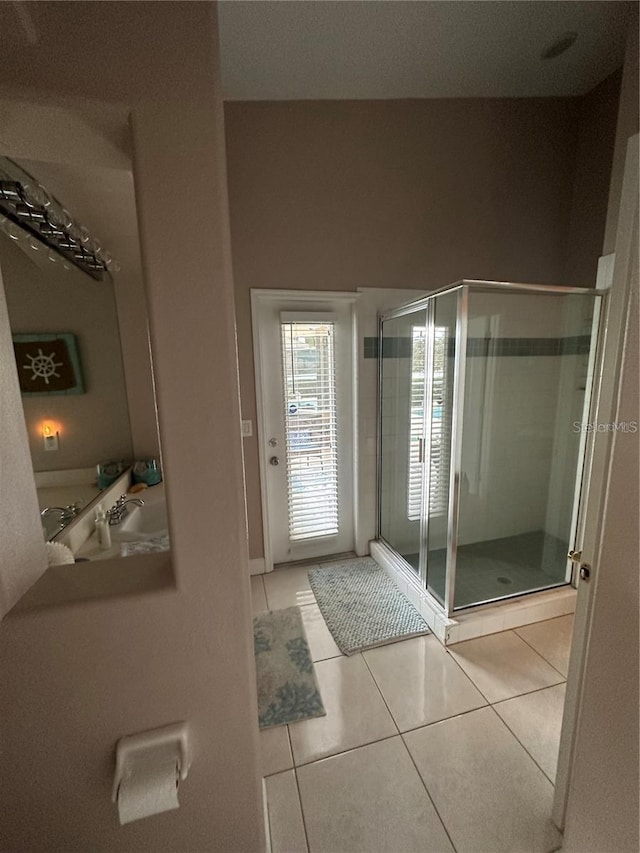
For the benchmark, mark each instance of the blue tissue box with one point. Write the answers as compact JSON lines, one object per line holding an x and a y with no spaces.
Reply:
{"x":108,"y":473}
{"x":146,"y":471}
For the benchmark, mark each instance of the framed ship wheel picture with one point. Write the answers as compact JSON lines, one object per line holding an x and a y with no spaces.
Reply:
{"x":48,"y":364}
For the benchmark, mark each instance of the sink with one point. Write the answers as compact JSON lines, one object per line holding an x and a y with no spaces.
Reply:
{"x":51,"y":525}
{"x":150,"y":518}
{"x":140,"y":525}
{"x":143,"y":522}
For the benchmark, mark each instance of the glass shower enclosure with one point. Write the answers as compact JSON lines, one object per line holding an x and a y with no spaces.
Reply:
{"x":483,"y":407}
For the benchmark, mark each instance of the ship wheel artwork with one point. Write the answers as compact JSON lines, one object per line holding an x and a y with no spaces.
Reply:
{"x":48,"y":364}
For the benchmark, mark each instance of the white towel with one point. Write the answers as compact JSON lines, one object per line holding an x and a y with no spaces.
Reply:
{"x":59,"y":555}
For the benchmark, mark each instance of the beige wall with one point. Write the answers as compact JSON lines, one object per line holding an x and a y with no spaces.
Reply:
{"x":91,"y":146}
{"x":628,"y":125}
{"x":76,"y":677}
{"x":590,"y":195}
{"x":94,"y":426}
{"x":23,"y":556}
{"x":406,"y":194}
{"x":133,"y":324}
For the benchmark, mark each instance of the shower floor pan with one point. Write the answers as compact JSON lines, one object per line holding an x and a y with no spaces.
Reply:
{"x":487,"y":570}
{"x":499,"y":568}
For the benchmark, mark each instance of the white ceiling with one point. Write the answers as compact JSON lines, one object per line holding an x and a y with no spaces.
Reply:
{"x":314,"y":49}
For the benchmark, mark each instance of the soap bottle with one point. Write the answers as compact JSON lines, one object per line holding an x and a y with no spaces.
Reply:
{"x":102,"y":529}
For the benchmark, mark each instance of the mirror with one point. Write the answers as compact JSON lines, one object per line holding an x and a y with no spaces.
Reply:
{"x":69,"y":355}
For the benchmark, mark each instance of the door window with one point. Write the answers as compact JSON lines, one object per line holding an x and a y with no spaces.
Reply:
{"x":308,"y":363}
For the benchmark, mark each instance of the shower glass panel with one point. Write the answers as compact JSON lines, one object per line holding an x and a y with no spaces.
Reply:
{"x":484,"y":390}
{"x":401,"y":434}
{"x":525,"y":378}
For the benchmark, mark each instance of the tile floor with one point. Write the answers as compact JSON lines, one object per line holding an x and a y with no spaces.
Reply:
{"x":422,"y":748}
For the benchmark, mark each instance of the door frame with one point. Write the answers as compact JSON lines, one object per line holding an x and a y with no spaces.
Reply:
{"x":299,"y":301}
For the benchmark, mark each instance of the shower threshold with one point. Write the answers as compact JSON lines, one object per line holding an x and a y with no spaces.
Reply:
{"x":479,"y":620}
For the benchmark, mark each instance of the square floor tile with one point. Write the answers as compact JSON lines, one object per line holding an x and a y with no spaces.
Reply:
{"x":258,"y":598}
{"x":285,"y":817}
{"x":356,"y":713}
{"x":551,"y":639}
{"x":321,"y":642}
{"x":369,"y":800}
{"x":288,"y":587}
{"x":502,"y":666}
{"x":275,"y":750}
{"x":488,"y":791}
{"x":536,"y":720}
{"x":421,"y":683}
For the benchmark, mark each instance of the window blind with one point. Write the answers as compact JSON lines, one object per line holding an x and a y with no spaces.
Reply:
{"x":308,"y":362}
{"x":438,"y":426}
{"x":416,"y":422}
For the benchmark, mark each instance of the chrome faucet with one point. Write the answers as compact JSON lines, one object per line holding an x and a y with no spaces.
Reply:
{"x":120,"y":509}
{"x":66,"y":512}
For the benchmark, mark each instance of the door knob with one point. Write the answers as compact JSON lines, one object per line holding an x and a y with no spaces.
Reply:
{"x":274,"y":460}
{"x":585,"y":572}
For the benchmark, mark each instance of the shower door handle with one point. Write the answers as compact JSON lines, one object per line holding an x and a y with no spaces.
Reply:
{"x":584,"y":569}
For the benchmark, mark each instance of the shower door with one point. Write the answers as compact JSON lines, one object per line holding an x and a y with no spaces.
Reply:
{"x":402,"y":390}
{"x":526,"y":379}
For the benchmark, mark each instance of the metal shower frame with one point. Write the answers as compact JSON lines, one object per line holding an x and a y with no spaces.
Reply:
{"x":462,"y":289}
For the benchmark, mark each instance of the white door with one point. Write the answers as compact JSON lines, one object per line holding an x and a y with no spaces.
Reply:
{"x":304,"y":383}
{"x":618,"y":272}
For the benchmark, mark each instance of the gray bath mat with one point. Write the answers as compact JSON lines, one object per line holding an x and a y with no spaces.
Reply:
{"x":362,"y":606}
{"x":287,"y":686}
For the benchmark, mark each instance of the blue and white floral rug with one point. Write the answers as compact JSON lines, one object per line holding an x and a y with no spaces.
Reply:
{"x":362,"y":606}
{"x":287,"y":686}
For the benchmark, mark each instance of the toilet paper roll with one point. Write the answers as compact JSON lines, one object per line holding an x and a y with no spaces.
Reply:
{"x":149,"y":786}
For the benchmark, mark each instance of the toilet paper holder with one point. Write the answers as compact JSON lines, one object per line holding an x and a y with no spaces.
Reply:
{"x":170,"y":739}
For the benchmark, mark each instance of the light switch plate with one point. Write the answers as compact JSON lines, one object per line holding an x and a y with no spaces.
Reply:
{"x":247,"y":429}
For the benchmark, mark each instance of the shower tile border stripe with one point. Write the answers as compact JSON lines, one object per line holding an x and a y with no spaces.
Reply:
{"x":400,"y":347}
